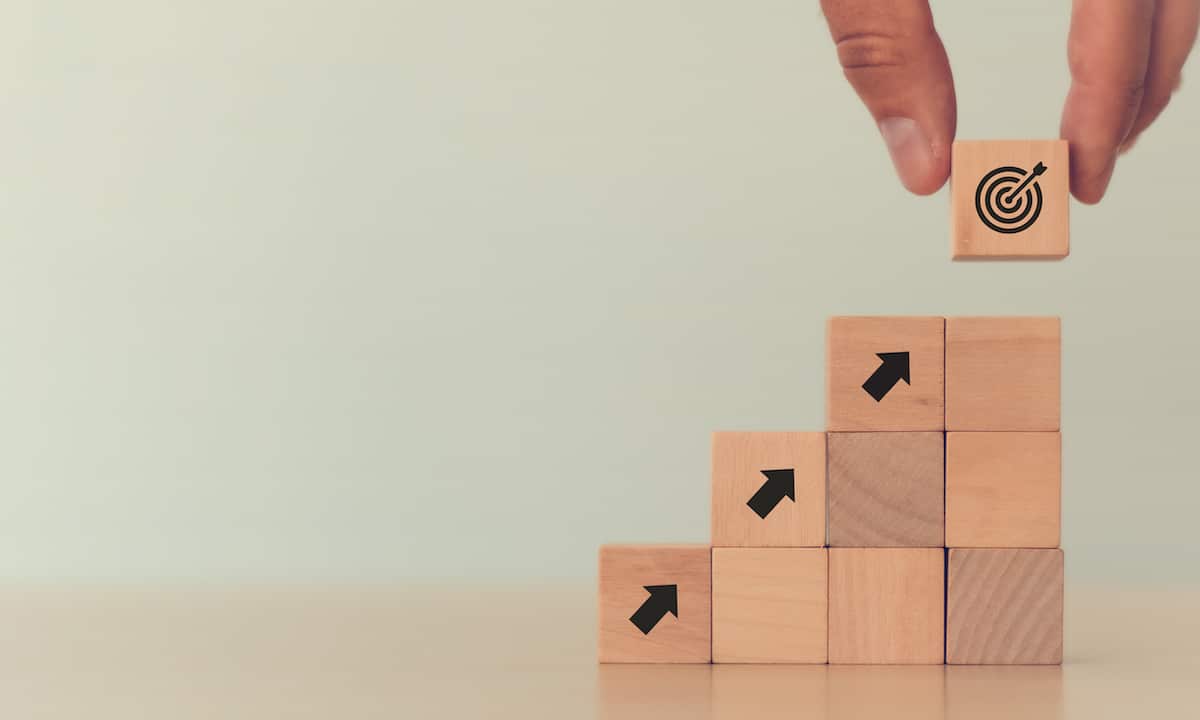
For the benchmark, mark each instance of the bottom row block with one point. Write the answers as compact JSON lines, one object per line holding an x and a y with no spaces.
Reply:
{"x":770,"y":605}
{"x":886,"y":606}
{"x":1005,"y":607}
{"x":690,"y":603}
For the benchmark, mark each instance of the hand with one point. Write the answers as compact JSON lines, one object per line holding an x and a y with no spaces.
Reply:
{"x":1125,"y":58}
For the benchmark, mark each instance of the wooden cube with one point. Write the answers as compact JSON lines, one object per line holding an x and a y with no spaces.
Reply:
{"x":768,"y":489}
{"x":1009,"y":199}
{"x":1003,"y":489}
{"x":770,"y":605}
{"x":885,"y":373}
{"x":886,"y":606}
{"x":886,"y":489}
{"x":1003,"y":373}
{"x":1004,"y":607}
{"x":655,"y":603}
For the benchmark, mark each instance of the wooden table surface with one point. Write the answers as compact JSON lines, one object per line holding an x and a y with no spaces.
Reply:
{"x":470,"y":651}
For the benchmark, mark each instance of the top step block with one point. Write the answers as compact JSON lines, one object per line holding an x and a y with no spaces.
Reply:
{"x":1003,"y":374}
{"x":885,"y":373}
{"x":1009,"y":199}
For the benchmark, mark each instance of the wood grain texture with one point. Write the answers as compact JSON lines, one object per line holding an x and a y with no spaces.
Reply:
{"x":1003,"y":489}
{"x":1003,"y":373}
{"x":886,"y":489}
{"x":1005,"y":607}
{"x":886,"y":606}
{"x":1047,"y":237}
{"x":851,"y":356}
{"x":738,"y":459}
{"x":625,"y":571}
{"x":770,"y":605}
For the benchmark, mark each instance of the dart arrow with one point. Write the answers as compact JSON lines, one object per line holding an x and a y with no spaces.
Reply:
{"x":893,"y":370}
{"x":779,"y":484}
{"x":663,"y":599}
{"x":1037,"y":170}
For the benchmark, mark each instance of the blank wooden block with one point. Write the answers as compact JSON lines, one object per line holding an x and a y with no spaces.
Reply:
{"x":1003,"y":489}
{"x":886,"y":489}
{"x":1003,"y":373}
{"x":781,"y":474}
{"x":655,"y":603}
{"x":1009,"y":199}
{"x":886,"y":606}
{"x":770,"y":605}
{"x":885,"y":373}
{"x":1004,"y":607}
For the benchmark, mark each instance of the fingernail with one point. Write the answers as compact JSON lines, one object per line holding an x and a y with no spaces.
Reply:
{"x":911,"y":152}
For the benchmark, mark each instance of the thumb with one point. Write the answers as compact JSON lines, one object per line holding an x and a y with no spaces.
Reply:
{"x":895,"y":61}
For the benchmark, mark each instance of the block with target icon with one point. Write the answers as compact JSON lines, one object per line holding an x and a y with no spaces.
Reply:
{"x":655,"y":604}
{"x":768,"y":489}
{"x":885,"y":373}
{"x":1009,"y":199}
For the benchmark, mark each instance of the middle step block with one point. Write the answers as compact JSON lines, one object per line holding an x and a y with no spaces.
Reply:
{"x":768,"y":489}
{"x":887,"y":489}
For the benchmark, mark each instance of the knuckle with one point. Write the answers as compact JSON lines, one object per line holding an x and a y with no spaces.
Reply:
{"x":870,"y":50}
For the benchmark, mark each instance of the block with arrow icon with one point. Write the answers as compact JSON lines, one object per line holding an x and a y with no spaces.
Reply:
{"x":885,"y":373}
{"x":768,"y":489}
{"x":655,"y":603}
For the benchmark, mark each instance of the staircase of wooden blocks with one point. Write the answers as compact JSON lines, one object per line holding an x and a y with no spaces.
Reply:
{"x":922,"y":527}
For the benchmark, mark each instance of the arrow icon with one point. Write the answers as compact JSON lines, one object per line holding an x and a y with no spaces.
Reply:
{"x":663,"y":599}
{"x":779,"y":484}
{"x":1037,"y":170}
{"x":893,"y":369}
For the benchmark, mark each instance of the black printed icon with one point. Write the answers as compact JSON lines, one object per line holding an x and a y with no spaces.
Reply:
{"x":780,"y":484}
{"x":663,"y":599}
{"x":893,"y":369}
{"x":1009,"y":199}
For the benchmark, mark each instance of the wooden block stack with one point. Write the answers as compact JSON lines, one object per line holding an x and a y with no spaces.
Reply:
{"x":1004,"y":594}
{"x":922,"y":527}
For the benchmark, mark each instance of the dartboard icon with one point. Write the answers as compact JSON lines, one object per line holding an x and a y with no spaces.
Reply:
{"x":1009,"y":199}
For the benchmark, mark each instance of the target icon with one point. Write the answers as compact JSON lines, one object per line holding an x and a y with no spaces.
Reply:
{"x":1009,"y":199}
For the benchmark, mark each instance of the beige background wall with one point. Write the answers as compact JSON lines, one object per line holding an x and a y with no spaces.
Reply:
{"x":367,"y":290}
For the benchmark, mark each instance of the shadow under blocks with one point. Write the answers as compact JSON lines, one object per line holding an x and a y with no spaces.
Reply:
{"x":921,"y":527}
